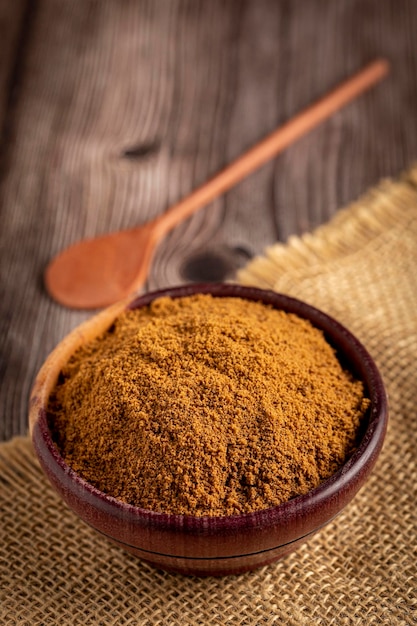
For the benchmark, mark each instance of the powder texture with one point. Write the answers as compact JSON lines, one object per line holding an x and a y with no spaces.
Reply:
{"x":206,"y":406}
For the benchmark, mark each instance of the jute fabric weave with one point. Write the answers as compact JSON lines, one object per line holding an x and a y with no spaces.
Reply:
{"x":361,"y":569}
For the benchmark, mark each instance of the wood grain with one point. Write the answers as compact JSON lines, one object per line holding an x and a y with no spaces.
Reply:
{"x":124,"y":108}
{"x":15,"y":19}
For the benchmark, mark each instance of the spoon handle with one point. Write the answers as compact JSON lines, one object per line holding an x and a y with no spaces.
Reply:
{"x":273,"y":144}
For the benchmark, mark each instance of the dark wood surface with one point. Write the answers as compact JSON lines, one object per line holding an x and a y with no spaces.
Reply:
{"x":111,"y":111}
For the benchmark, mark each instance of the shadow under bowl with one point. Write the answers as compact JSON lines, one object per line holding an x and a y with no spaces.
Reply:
{"x":223,"y":544}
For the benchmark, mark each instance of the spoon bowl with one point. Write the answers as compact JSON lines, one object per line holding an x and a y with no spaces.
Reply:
{"x":97,"y":272}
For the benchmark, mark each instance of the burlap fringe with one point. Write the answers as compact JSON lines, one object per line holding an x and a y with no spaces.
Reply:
{"x":352,"y":227}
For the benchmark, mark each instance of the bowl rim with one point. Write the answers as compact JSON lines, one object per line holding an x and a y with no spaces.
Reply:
{"x":364,"y":455}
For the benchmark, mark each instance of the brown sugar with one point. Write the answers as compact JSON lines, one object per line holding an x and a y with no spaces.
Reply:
{"x":206,"y":406}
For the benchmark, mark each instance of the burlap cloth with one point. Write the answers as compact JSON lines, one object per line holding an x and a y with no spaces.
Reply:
{"x":361,"y":569}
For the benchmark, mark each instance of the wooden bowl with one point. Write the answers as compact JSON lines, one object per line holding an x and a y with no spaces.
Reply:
{"x":213,"y":545}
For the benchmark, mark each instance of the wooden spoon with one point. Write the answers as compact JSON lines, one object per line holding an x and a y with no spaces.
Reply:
{"x":97,"y":272}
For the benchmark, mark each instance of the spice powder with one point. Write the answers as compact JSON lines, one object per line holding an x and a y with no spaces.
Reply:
{"x":206,"y":406}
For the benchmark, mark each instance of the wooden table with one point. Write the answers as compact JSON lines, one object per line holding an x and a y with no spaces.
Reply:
{"x":111,"y":111}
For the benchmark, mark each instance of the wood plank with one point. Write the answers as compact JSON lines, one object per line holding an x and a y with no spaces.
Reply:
{"x":15,"y":20}
{"x":123,"y":108}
